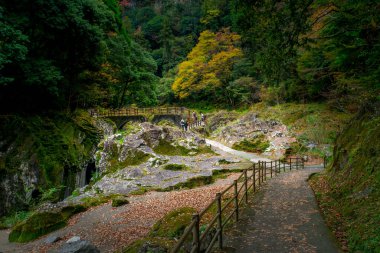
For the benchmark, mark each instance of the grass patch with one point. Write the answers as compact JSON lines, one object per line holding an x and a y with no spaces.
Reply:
{"x":255,"y":145}
{"x":176,"y":167}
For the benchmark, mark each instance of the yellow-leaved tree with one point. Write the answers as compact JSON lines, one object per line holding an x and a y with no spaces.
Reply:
{"x":208,"y":67}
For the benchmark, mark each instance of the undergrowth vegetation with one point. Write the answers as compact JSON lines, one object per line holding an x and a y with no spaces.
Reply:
{"x":349,"y":192}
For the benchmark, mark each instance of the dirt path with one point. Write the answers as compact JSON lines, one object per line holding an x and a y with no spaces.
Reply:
{"x":111,"y":229}
{"x":284,"y":217}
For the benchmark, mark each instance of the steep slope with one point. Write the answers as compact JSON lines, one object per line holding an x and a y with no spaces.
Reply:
{"x":349,"y":192}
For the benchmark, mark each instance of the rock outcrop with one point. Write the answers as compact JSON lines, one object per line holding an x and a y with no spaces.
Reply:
{"x":250,"y":127}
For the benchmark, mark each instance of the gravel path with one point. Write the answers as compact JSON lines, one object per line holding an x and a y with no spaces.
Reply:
{"x":111,"y":229}
{"x":283,"y":217}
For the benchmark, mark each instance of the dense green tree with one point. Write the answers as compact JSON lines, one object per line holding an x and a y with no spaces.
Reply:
{"x":60,"y":54}
{"x":342,"y":57}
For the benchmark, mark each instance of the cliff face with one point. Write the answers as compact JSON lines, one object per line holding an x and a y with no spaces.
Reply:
{"x":44,"y":157}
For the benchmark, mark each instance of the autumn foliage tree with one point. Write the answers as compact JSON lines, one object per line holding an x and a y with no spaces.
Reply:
{"x":208,"y":68}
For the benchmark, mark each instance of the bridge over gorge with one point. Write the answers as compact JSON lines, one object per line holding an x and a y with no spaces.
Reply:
{"x":155,"y":114}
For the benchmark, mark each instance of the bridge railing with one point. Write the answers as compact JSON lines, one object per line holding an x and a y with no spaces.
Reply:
{"x":142,"y":111}
{"x":207,"y":226}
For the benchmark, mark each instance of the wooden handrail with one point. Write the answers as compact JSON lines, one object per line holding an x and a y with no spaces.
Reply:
{"x":259,"y":175}
{"x":142,"y":111}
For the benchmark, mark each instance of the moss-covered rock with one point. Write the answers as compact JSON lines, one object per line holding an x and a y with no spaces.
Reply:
{"x":174,"y":223}
{"x":38,"y":224}
{"x":41,"y":223}
{"x":119,"y":201}
{"x":163,"y":234}
{"x":43,"y":153}
{"x":166,"y":148}
{"x":176,"y":167}
{"x":256,"y":145}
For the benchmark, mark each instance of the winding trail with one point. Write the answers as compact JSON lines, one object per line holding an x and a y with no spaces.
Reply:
{"x":249,"y":156}
{"x":283,"y":217}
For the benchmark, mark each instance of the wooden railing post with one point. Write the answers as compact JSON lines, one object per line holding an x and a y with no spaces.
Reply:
{"x":265,"y":171}
{"x":246,"y":186}
{"x":196,"y":243}
{"x":271,"y":169}
{"x":236,"y":200}
{"x":303,"y":163}
{"x":220,"y":223}
{"x":254,"y":177}
{"x":290,"y":163}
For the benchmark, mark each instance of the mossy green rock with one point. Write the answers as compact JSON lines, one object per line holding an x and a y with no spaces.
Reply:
{"x":175,"y":167}
{"x":119,"y":201}
{"x":42,"y":223}
{"x":174,"y":223}
{"x":37,"y":225}
{"x":257,"y":145}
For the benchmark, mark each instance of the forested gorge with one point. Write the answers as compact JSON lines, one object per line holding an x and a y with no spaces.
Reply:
{"x":70,"y":54}
{"x":309,"y":64}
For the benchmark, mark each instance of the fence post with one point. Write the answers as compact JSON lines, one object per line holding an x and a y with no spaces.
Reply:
{"x":220,"y":224}
{"x":265,"y":171}
{"x":196,"y":243}
{"x":290,"y":163}
{"x":302,"y":163}
{"x":246,"y":186}
{"x":271,"y":169}
{"x":254,"y":177}
{"x":236,"y":201}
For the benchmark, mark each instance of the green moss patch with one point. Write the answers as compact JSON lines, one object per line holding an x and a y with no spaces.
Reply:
{"x":256,"y":145}
{"x":133,"y":158}
{"x":176,"y":167}
{"x":163,"y":234}
{"x":174,"y":223}
{"x":166,"y":148}
{"x":40,"y":224}
{"x":191,"y":183}
{"x":119,"y":201}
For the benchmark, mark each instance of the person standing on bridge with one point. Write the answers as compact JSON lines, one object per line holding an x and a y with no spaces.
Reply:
{"x":186,"y":125}
{"x":195,"y":118}
{"x":182,"y":123}
{"x":203,"y":119}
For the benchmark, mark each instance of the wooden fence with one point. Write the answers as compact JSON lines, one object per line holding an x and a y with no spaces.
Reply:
{"x":206,"y":227}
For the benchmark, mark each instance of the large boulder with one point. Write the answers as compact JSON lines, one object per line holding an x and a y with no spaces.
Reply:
{"x":77,"y":246}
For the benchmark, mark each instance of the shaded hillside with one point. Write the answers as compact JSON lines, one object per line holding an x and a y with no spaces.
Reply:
{"x":349,"y":192}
